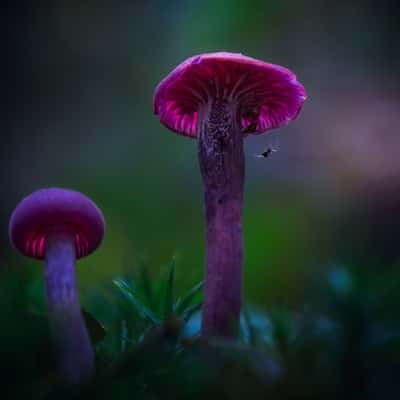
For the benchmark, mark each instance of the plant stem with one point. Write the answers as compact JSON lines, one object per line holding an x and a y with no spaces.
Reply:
{"x":222,"y":167}
{"x":74,"y":353}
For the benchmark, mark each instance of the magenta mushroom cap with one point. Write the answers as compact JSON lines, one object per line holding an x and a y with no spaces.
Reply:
{"x":270,"y":93}
{"x":56,"y":210}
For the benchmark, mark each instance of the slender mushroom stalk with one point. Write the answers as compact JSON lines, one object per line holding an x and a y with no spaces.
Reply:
{"x":61,"y":225}
{"x":220,"y":150}
{"x":68,"y":328}
{"x":219,"y":98}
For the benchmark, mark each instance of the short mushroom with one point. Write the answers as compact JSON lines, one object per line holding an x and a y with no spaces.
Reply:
{"x":219,"y":98}
{"x":60,"y":226}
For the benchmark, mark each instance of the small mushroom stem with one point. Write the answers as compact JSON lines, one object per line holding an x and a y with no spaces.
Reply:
{"x":222,"y":167}
{"x":74,"y":352}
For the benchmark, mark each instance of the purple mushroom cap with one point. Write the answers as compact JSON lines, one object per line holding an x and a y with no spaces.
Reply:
{"x":54,"y":210}
{"x":269,"y":95}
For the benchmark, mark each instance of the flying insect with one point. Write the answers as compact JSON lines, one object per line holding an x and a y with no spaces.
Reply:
{"x":266,"y":153}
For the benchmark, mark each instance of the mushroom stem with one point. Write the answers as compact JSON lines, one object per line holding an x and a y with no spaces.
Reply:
{"x":222,"y":167}
{"x":74,"y":352}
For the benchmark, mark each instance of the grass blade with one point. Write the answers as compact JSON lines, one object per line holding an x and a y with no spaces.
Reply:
{"x":131,"y":297}
{"x":188,"y":298}
{"x":169,"y":292}
{"x":146,"y":284}
{"x":191,"y":310}
{"x":249,"y":326}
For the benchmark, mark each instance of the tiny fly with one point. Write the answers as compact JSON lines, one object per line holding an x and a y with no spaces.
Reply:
{"x":266,"y":153}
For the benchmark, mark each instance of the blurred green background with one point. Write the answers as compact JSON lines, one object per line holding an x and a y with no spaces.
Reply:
{"x":80,"y":77}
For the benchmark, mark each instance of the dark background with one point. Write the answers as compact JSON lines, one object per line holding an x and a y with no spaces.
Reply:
{"x":78,"y":80}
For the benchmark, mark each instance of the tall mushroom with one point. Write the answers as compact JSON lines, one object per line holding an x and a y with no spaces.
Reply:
{"x":61,"y":225}
{"x":219,"y":98}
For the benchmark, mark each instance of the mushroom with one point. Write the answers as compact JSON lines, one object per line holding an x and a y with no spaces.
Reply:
{"x":60,"y":226}
{"x":219,"y":98}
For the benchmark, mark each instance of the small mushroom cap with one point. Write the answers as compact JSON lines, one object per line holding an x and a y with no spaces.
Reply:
{"x":56,"y":210}
{"x":268,"y":95}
